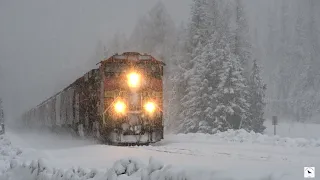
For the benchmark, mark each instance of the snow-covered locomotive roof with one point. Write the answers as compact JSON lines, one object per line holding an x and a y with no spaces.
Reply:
{"x":133,"y":57}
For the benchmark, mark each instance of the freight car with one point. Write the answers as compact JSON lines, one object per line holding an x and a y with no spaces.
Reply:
{"x":118,"y":103}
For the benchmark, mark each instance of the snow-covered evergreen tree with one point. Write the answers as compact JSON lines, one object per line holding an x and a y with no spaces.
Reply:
{"x":256,"y":100}
{"x":191,"y":68}
{"x":232,"y":108}
{"x":192,"y":101}
{"x":198,"y":27}
{"x":196,"y":101}
{"x":206,"y":104}
{"x":209,"y":83}
{"x":242,"y":45}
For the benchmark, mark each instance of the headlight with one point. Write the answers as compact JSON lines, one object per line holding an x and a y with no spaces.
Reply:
{"x":120,"y":107}
{"x":134,"y":80}
{"x":150,"y":107}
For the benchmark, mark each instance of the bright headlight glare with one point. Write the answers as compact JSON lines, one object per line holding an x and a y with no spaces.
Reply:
{"x":134,"y":80}
{"x":150,"y":107}
{"x":120,"y":107}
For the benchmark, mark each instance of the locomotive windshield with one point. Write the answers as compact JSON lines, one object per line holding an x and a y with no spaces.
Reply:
{"x":151,"y":69}
{"x":115,"y":67}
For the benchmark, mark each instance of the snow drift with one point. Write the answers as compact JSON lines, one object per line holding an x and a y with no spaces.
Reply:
{"x":124,"y":169}
{"x":7,"y":153}
{"x":39,"y":170}
{"x":242,"y":136}
{"x":128,"y":168}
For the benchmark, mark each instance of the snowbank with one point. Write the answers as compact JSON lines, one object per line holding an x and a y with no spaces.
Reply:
{"x":123,"y":169}
{"x":39,"y":170}
{"x":7,"y":153}
{"x":242,"y":136}
{"x":128,"y":169}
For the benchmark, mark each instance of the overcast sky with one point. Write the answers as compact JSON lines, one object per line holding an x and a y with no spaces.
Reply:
{"x":44,"y":44}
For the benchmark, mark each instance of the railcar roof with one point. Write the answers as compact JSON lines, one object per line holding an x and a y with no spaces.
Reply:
{"x":64,"y":89}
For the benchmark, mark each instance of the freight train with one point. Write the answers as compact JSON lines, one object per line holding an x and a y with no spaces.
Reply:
{"x":120,"y":102}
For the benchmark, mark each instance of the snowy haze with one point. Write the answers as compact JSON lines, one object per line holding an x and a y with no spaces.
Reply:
{"x":222,"y":131}
{"x":45,"y":45}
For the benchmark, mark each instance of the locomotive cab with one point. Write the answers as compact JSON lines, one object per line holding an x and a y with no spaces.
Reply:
{"x":132,"y":98}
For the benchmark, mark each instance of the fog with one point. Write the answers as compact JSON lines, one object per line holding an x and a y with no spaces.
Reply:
{"x":46,"y":45}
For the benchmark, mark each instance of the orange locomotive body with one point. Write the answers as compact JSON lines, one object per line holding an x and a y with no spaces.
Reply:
{"x":118,"y":103}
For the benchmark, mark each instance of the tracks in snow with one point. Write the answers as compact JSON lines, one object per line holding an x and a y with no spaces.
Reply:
{"x":189,"y":152}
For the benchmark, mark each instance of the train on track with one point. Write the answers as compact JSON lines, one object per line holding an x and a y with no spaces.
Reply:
{"x":119,"y":103}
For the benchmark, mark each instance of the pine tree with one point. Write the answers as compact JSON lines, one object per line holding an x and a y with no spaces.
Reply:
{"x":242,"y":45}
{"x":209,"y":85}
{"x":194,"y":68}
{"x":231,"y":110}
{"x":198,"y":27}
{"x":210,"y":31}
{"x":256,"y":100}
{"x":192,"y":101}
{"x":211,"y":61}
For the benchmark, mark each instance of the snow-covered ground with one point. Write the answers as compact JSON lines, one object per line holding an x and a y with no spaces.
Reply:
{"x":234,"y":155}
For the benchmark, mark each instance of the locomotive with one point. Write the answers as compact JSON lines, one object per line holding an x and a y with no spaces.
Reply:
{"x":119,"y":103}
